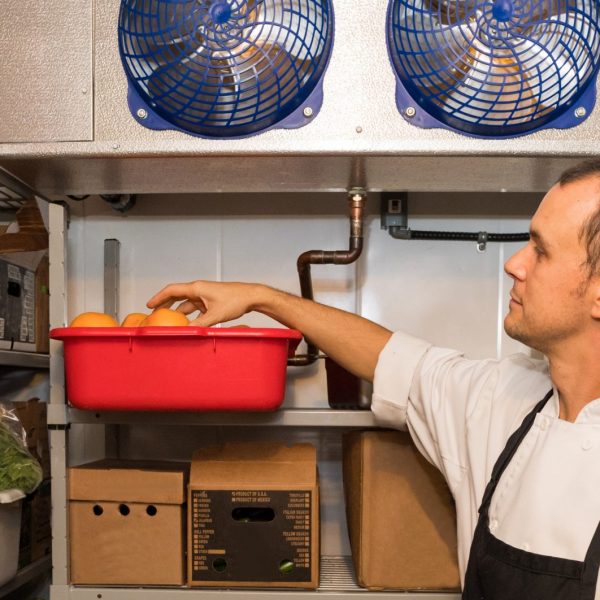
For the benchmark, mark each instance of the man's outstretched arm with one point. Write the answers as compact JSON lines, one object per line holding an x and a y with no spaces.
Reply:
{"x":352,"y":341}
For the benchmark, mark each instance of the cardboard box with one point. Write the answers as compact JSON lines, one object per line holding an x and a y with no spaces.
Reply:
{"x":36,"y":534}
{"x":254,"y":516}
{"x":24,"y":302}
{"x":401,"y":516}
{"x":127,"y":523}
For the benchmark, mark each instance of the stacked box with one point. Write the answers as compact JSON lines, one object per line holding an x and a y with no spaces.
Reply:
{"x":401,"y":516}
{"x":254,"y":516}
{"x":127,"y":523}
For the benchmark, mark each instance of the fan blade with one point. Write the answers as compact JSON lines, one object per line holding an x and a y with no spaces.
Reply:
{"x":436,"y":57}
{"x":540,"y":10}
{"x":288,"y":24}
{"x":561,"y":54}
{"x":181,"y":36}
{"x":266,"y":76}
{"x":228,"y":75}
{"x":528,"y":74}
{"x":205,"y":94}
{"x":451,"y":12}
{"x":494,"y":91}
{"x":249,"y":85}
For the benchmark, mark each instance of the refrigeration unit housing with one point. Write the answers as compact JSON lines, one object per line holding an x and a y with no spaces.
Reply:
{"x":148,"y":96}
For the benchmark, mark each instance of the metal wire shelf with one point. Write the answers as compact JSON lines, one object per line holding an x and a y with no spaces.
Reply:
{"x":10,"y":204}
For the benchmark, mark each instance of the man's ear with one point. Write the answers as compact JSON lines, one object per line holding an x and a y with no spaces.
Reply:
{"x":595,"y":296}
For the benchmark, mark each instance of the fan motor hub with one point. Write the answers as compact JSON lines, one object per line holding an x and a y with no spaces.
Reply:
{"x":220,"y":12}
{"x":502,"y":10}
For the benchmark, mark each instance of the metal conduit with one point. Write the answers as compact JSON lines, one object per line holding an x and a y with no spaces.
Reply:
{"x":412,"y":234}
{"x":356,"y":203}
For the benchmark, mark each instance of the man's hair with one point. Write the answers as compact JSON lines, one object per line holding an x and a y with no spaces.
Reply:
{"x":590,"y":231}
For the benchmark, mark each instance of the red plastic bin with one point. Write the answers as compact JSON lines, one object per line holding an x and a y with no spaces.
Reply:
{"x":176,"y":368}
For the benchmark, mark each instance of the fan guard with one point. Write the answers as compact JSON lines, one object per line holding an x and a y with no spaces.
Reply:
{"x":225,"y":68}
{"x":494,"y":68}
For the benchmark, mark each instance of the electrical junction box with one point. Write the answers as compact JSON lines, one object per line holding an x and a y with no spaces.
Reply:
{"x":254,"y":516}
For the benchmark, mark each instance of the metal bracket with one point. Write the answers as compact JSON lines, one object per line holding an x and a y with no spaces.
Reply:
{"x":482,"y":240}
{"x":394,"y":218}
{"x":120,"y":202}
{"x":15,"y":189}
{"x":394,"y":214}
{"x":357,"y":191}
{"x":57,"y":416}
{"x":111,"y":277}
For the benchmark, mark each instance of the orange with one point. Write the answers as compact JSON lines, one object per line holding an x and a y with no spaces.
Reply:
{"x":133,"y":320}
{"x":94,"y":319}
{"x":165,"y":317}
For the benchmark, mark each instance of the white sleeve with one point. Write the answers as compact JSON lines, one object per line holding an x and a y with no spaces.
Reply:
{"x":431,"y":391}
{"x":393,"y":379}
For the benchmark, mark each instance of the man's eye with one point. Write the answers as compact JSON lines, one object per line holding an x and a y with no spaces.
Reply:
{"x":538,"y":250}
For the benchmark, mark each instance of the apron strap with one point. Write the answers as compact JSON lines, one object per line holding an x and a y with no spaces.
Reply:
{"x":514,"y":441}
{"x":592,"y":562}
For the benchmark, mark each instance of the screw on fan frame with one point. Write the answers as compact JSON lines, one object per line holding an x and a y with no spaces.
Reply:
{"x":225,"y":68}
{"x":494,"y":68}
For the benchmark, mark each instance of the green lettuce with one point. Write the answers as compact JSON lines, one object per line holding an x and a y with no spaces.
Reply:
{"x":18,"y":468}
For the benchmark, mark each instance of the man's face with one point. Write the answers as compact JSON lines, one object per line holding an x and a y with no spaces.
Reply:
{"x":550,"y":298}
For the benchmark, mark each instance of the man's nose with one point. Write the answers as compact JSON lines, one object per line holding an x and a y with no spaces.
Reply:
{"x":515,"y":266}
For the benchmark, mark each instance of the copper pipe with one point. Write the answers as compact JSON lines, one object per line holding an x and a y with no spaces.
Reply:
{"x":356,"y":204}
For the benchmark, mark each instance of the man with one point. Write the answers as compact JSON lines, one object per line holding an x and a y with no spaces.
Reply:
{"x":517,"y":439}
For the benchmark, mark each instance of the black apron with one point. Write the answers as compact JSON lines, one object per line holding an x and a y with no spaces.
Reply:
{"x":497,"y":571}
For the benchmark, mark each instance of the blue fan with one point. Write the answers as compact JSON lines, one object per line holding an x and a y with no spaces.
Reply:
{"x":495,"y":68}
{"x":225,"y":68}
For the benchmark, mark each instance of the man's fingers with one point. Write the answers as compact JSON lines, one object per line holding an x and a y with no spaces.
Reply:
{"x":205,"y":320}
{"x":188,"y":307}
{"x":169,"y":295}
{"x":165,"y":304}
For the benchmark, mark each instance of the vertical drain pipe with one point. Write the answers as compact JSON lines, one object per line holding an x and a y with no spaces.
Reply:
{"x":356,"y":202}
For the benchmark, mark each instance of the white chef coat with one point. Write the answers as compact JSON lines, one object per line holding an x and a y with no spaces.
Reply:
{"x":460,"y":414}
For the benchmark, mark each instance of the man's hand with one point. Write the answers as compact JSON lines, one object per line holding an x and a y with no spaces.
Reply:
{"x":217,"y":302}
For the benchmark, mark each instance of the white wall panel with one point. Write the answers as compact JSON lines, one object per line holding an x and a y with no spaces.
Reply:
{"x":153,"y":253}
{"x":445,"y":292}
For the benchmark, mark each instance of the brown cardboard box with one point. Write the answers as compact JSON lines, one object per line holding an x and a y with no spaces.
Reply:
{"x":401,"y":516}
{"x":254,"y":516}
{"x":127,"y":523}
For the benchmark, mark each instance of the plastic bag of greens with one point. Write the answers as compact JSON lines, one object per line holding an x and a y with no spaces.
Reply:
{"x":19,"y":470}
